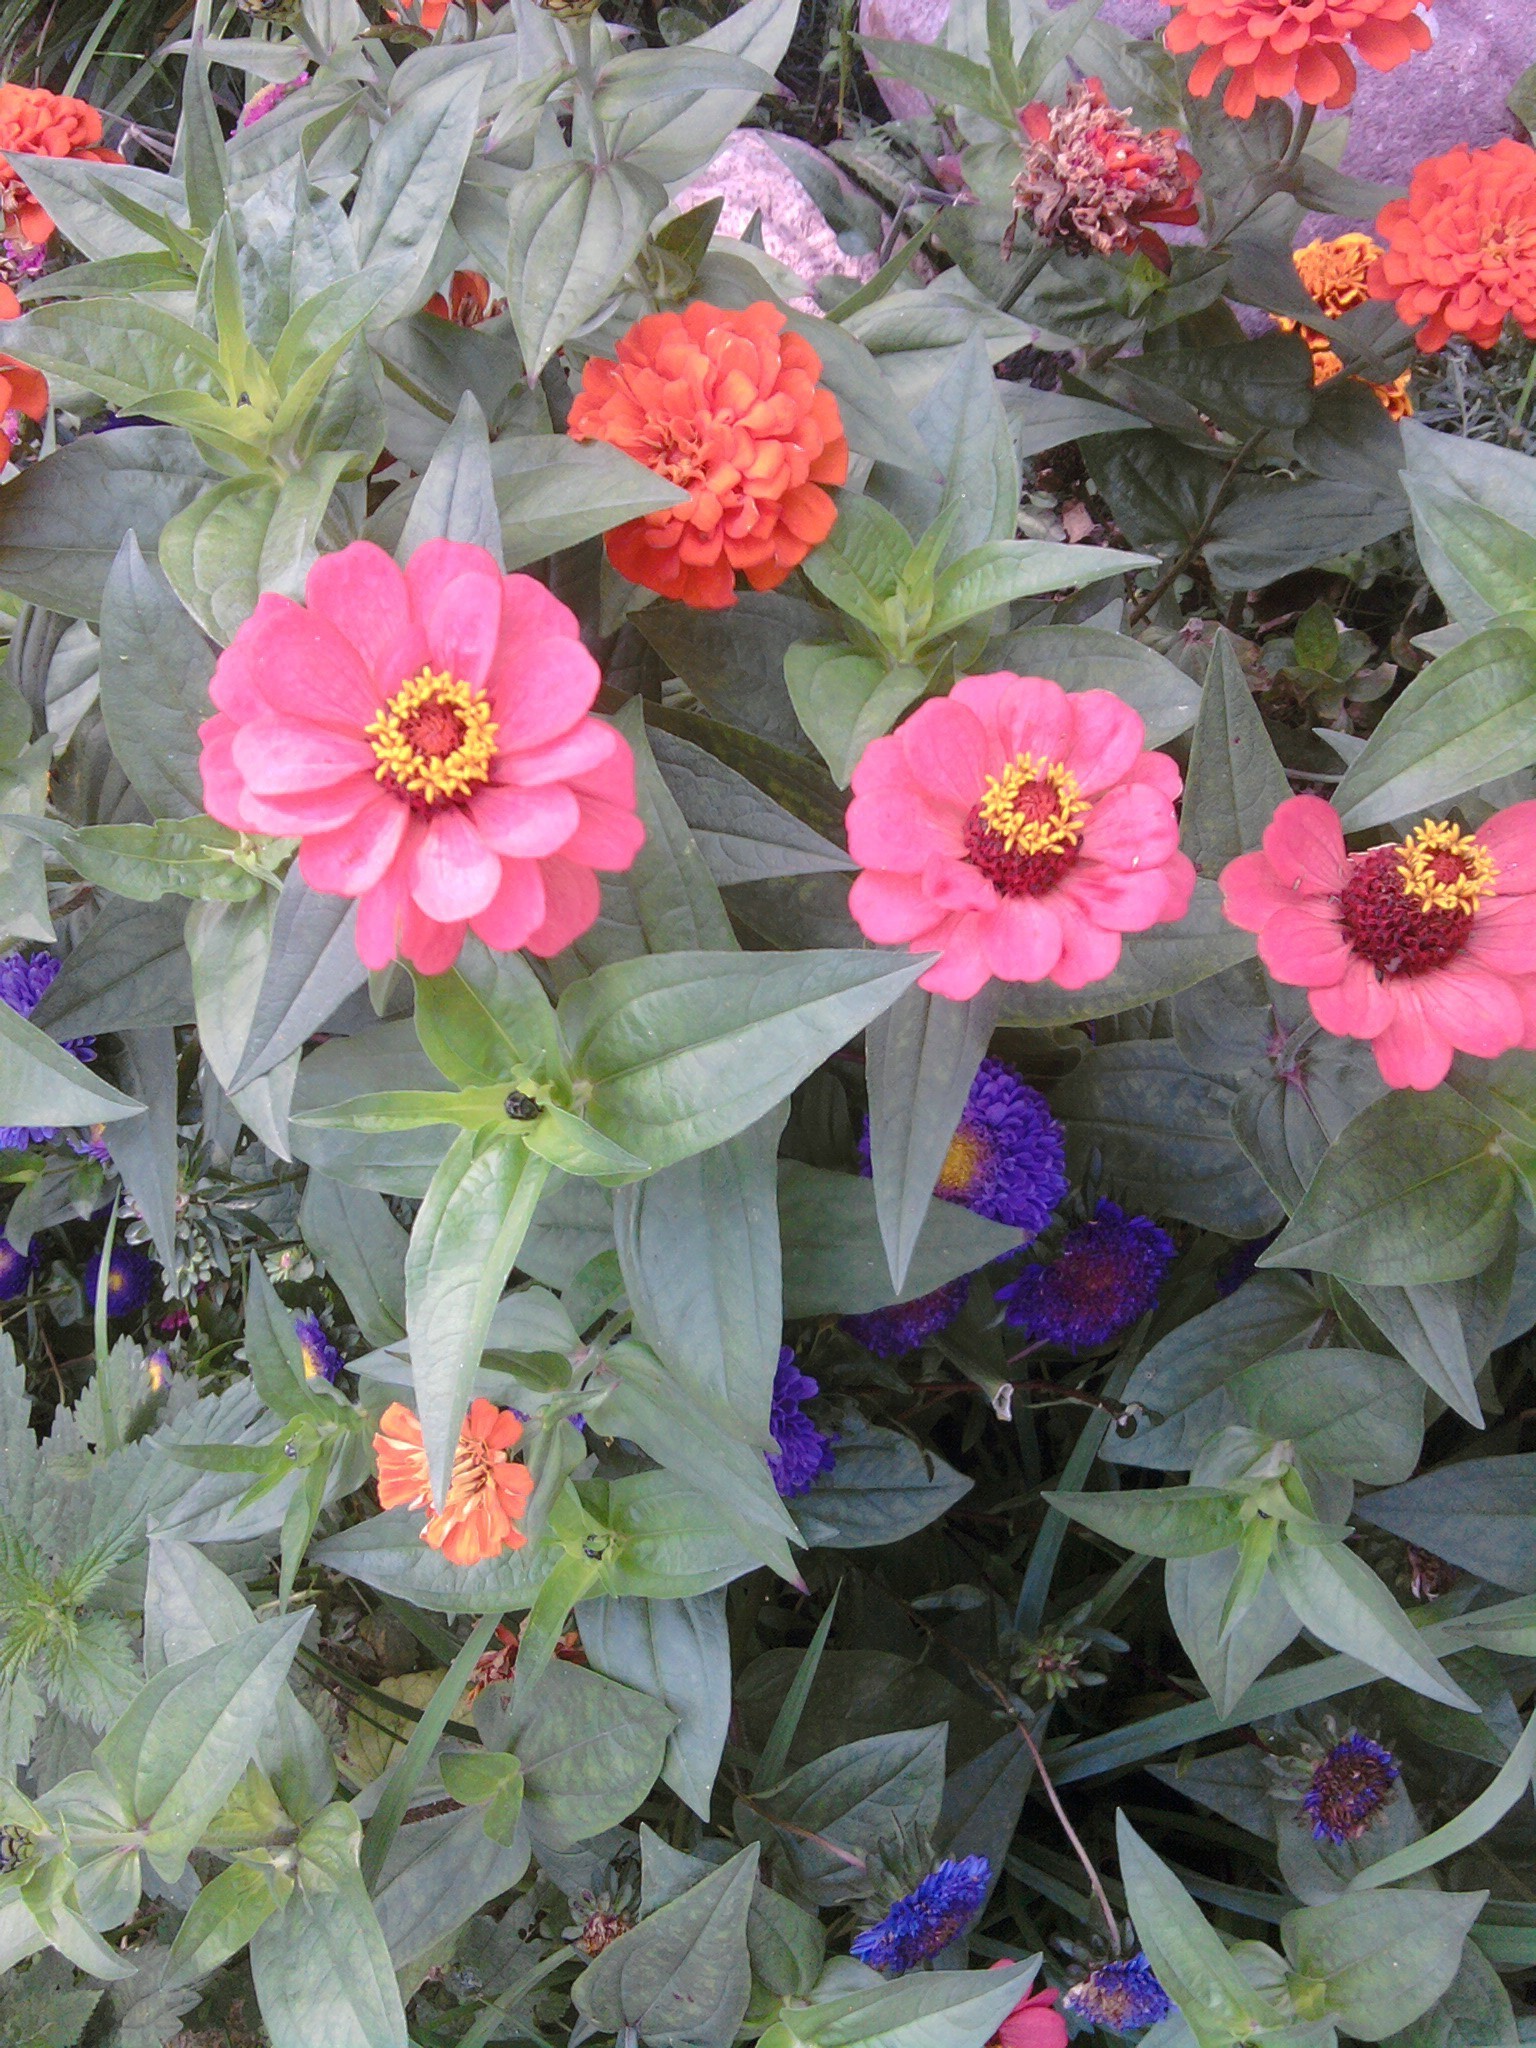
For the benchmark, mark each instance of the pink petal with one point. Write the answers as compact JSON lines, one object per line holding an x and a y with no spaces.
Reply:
{"x":436,"y":563}
{"x":607,"y":837}
{"x":1132,"y":826}
{"x":234,"y":686}
{"x":544,"y":691}
{"x":961,"y":969}
{"x":1251,"y":892}
{"x":1503,"y":937}
{"x":455,"y":874}
{"x":955,"y":885}
{"x":882,"y":765}
{"x":354,"y":858}
{"x":1107,"y":737}
{"x":613,"y":780}
{"x":572,"y":899}
{"x":309,"y":810}
{"x":430,"y":947}
{"x":1411,"y":1053}
{"x":277,"y":756}
{"x":1179,"y":879}
{"x":517,"y":909}
{"x":890,"y":908}
{"x":530,"y":612}
{"x":1476,"y":1011}
{"x":1022,"y":940}
{"x":309,"y":672}
{"x":1121,"y":900}
{"x":944,"y":751}
{"x":577,"y":752}
{"x":1304,"y":945}
{"x":223,"y":784}
{"x":1034,"y":716}
{"x":362,"y":593}
{"x":1305,"y":844}
{"x":886,"y":829}
{"x":1158,"y":772}
{"x":1358,"y":1005}
{"x":525,"y":822}
{"x":378,"y":918}
{"x":463,"y":628}
{"x":1088,"y":953}
{"x":1510,"y":836}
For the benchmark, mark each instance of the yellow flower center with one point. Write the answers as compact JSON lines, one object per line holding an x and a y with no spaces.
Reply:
{"x":1033,"y":807}
{"x":1444,"y":868}
{"x":961,"y":1164}
{"x":434,"y":740}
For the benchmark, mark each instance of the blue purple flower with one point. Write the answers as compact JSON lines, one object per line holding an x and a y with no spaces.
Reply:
{"x":16,"y":1270}
{"x":130,"y":1277}
{"x":25,"y":979}
{"x":893,"y":1332}
{"x":1106,"y":1276}
{"x":941,"y":1906}
{"x":322,"y":1361}
{"x":1349,"y":1788}
{"x":1008,"y":1157}
{"x":805,"y":1452}
{"x":1122,"y":1996}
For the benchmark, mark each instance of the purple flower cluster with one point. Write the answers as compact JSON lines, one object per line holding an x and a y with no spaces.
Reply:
{"x":16,"y":1270}
{"x":1349,"y":1788}
{"x":941,"y":1906}
{"x":1106,"y":1276}
{"x":893,"y":1332}
{"x":322,"y":1361}
{"x":25,"y":979}
{"x":805,"y":1452}
{"x":1122,"y":1996}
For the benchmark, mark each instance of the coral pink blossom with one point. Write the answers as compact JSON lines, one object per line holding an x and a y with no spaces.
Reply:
{"x":1016,"y":830}
{"x":1032,"y":2023}
{"x":1426,"y":948}
{"x":424,"y":734}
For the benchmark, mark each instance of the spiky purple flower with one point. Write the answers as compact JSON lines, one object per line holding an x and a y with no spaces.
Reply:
{"x":805,"y":1452}
{"x":322,"y":1361}
{"x":941,"y":1906}
{"x":1123,"y":1996}
{"x":1008,"y":1157}
{"x":25,"y":979}
{"x":1106,"y":1276}
{"x":1349,"y":1788}
{"x":130,"y":1277}
{"x":261,"y":104}
{"x":893,"y":1332}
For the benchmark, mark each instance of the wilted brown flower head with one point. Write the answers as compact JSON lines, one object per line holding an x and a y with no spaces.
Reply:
{"x":1093,"y":180}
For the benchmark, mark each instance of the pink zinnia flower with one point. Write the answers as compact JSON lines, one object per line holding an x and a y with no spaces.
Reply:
{"x":424,"y":733}
{"x":1032,"y":2023}
{"x":1426,"y":948}
{"x":1016,"y":830}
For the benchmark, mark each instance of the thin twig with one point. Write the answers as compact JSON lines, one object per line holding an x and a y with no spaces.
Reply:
{"x":1144,"y":606}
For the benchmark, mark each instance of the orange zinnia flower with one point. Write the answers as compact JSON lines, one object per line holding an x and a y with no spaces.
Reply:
{"x":40,"y":123}
{"x":727,"y":405}
{"x":1277,"y":47}
{"x":1337,"y":274}
{"x":1461,"y":248}
{"x":23,"y":391}
{"x":487,"y":1494}
{"x":468,"y":303}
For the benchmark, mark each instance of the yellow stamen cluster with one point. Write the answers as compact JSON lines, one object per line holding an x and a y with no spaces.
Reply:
{"x":435,"y":739}
{"x":1444,"y":868}
{"x":961,"y":1162}
{"x":1034,"y":806}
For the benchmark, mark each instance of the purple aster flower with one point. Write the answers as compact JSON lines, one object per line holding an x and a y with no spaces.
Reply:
{"x":25,"y":979}
{"x":893,"y":1332}
{"x":322,"y":1361}
{"x":805,"y":1452}
{"x":1349,"y":1788}
{"x":16,"y":1270}
{"x":1122,"y":1996}
{"x":157,"y":1371}
{"x":269,"y":97}
{"x":130,"y":1277}
{"x":91,"y":1144}
{"x":1241,"y":1263}
{"x":1106,"y":1276}
{"x":942,"y":1905}
{"x":1008,"y":1157}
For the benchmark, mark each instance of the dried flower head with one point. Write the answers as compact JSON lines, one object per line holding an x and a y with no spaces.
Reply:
{"x":1093,"y":180}
{"x":1337,"y":274}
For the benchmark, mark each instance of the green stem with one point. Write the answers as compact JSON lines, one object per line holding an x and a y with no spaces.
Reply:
{"x":411,"y":1767}
{"x":1034,"y":263}
{"x":1041,"y":1569}
{"x":493,"y":2015}
{"x":1526,"y":389}
{"x":1299,"y":137}
{"x":577,"y":37}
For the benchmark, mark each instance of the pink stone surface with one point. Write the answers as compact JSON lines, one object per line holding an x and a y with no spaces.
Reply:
{"x":751,"y":179}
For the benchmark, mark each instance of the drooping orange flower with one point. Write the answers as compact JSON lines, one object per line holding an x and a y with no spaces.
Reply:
{"x":728,"y":406}
{"x":23,"y":391}
{"x":1277,"y":47}
{"x":1460,"y":253}
{"x":40,"y":123}
{"x":1093,"y":180}
{"x":468,"y":302}
{"x":1337,"y":274}
{"x":498,"y":1666}
{"x":487,"y":1494}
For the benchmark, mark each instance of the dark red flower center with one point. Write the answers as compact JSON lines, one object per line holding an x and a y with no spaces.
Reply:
{"x":1409,"y":909}
{"x":436,"y":730}
{"x":1027,"y":829}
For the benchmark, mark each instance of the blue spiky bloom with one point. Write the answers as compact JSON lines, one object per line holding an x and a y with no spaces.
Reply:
{"x":16,"y":1270}
{"x":1123,"y":1996}
{"x":805,"y":1452}
{"x":893,"y":1332}
{"x":130,"y":1277}
{"x":1349,"y":1788}
{"x":1008,"y":1157}
{"x":25,"y":979}
{"x":322,"y":1361}
{"x":1106,"y":1276}
{"x":941,"y":1906}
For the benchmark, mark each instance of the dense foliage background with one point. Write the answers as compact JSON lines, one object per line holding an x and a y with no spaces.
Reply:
{"x":1018,"y":1470}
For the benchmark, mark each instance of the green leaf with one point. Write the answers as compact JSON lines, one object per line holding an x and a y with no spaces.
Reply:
{"x":636,"y":78}
{"x":1187,"y":1955}
{"x":246,"y":536}
{"x":1469,"y":1826}
{"x":123,"y":349}
{"x":41,"y":1083}
{"x":321,"y":1969}
{"x":1153,"y":965}
{"x":681,"y":1976}
{"x":155,"y":670}
{"x":672,"y":140}
{"x":486,"y":1019}
{"x":129,"y":970}
{"x":464,"y":1243}
{"x":947,"y":78}
{"x":686,"y":1049}
{"x":362,"y":1248}
{"x":590,"y":1750}
{"x":858,"y":566}
{"x":408,"y":185}
{"x":1354,"y":1412}
{"x":1341,"y":1600}
{"x":576,"y":228}
{"x":225,"y":1915}
{"x":1001,"y":571}
{"x":1088,"y":658}
{"x":1172,"y":1521}
{"x":1381,"y":1958}
{"x":834,"y":1256}
{"x":882,"y":1489}
{"x":311,"y":969}
{"x":1479,"y":1513}
{"x":677,"y":1652}
{"x":666,"y":901}
{"x":456,"y":499}
{"x":1413,"y":1190}
{"x":827,"y":1817}
{"x":552,"y":493}
{"x":200,"y":154}
{"x":1235,"y":780}
{"x":937,"y":2009}
{"x":844,"y":700}
{"x":743,"y":834}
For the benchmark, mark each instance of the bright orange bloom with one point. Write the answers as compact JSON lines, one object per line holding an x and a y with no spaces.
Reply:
{"x":487,"y":1493}
{"x":1337,"y":274}
{"x":1461,"y":248}
{"x":41,"y":123}
{"x":1277,"y":47}
{"x":430,"y":14}
{"x":726,"y":405}
{"x":469,"y":302}
{"x":23,"y":391}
